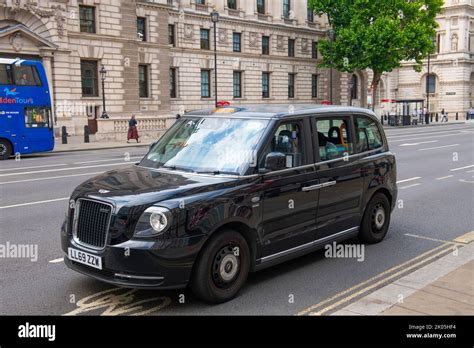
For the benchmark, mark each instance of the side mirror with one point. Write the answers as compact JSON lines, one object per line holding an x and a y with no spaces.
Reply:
{"x":275,"y":161}
{"x":151,"y":146}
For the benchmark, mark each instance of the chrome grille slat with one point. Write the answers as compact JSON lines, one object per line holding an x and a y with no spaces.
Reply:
{"x":91,"y":225}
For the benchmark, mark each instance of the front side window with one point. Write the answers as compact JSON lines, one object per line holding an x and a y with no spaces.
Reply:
{"x":26,"y":75}
{"x":291,"y":85}
{"x":87,"y":19}
{"x":205,"y":83}
{"x":265,"y":45}
{"x":205,"y":45}
{"x":237,"y":42}
{"x":208,"y":145}
{"x":237,"y":84}
{"x":36,"y":117}
{"x":291,"y":47}
{"x":143,"y":81}
{"x":368,"y":136}
{"x":89,"y":78}
{"x":5,"y":74}
{"x":265,"y":85}
{"x":141,"y":29}
{"x":261,"y":6}
{"x":288,"y":140}
{"x":334,"y":138}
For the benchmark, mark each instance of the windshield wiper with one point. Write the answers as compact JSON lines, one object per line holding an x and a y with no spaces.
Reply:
{"x":177,"y":168}
{"x":217,"y":172}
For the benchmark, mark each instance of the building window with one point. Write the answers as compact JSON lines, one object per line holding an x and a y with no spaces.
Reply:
{"x":286,"y":8}
{"x":236,"y":41}
{"x":205,"y":83}
{"x":438,"y":43}
{"x":237,"y":84}
{"x":261,"y":6}
{"x":171,"y":35}
{"x":291,"y":85}
{"x":173,"y":83}
{"x":310,"y":15}
{"x":314,"y":50}
{"x":314,"y":86}
{"x":431,"y":83}
{"x":291,"y":47}
{"x":87,"y":19}
{"x":354,"y":87}
{"x":265,"y":85}
{"x":143,"y":81}
{"x":89,"y":78}
{"x":266,"y":45}
{"x":200,"y":2}
{"x":141,"y":29}
{"x":232,"y":4}
{"x":205,"y":45}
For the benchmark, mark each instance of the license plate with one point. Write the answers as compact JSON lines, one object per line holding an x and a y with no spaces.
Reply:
{"x":85,"y":258}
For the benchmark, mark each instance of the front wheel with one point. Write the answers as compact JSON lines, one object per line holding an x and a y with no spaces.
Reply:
{"x":5,"y":149}
{"x":222,"y":268}
{"x":376,"y":220}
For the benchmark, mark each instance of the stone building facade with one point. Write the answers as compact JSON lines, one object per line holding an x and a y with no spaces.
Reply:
{"x":159,"y":57}
{"x":451,"y":75}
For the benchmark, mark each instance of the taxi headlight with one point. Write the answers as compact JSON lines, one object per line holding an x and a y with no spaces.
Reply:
{"x":153,"y":222}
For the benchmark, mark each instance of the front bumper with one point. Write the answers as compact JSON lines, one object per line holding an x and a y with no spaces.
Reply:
{"x":160,"y":264}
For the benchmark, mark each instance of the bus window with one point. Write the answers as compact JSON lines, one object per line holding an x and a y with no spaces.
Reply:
{"x":5,"y":74}
{"x":37,"y":117}
{"x":26,"y":75}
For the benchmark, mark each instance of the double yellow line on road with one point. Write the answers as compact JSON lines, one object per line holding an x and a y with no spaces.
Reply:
{"x":377,"y":281}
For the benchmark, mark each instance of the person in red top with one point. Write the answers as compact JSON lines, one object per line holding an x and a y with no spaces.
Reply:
{"x":132,"y":130}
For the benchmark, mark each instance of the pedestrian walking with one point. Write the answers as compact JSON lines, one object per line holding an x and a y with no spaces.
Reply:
{"x":444,"y":116}
{"x":132,"y":130}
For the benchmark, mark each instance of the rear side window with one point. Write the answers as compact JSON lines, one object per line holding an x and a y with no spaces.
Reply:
{"x":26,"y":76}
{"x":368,"y":136}
{"x":334,"y":138}
{"x":5,"y":74}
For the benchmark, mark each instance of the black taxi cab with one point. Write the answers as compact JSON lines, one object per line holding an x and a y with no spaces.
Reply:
{"x":229,"y":191}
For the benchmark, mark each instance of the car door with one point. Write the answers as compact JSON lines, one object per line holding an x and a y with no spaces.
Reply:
{"x":289,"y":209}
{"x":341,"y":179}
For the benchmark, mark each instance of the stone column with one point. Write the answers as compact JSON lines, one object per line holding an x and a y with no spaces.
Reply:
{"x":47,"y":57}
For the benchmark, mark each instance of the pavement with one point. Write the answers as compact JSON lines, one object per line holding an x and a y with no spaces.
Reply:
{"x":76,"y":143}
{"x":434,"y":209}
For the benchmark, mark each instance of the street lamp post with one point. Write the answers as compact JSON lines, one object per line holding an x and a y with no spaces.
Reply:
{"x":215,"y":19}
{"x":103,"y":76}
{"x":331,"y":38}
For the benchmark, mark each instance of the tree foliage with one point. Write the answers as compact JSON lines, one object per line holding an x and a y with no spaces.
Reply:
{"x":378,"y":34}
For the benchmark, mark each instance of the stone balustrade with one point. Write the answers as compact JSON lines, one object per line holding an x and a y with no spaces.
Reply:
{"x":115,"y":129}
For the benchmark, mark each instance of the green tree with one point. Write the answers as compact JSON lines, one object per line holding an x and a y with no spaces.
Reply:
{"x":378,"y":34}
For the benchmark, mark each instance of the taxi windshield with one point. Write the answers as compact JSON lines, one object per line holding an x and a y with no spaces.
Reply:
{"x":210,"y":145}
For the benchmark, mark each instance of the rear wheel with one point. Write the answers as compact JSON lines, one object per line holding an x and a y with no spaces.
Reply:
{"x":5,"y":149}
{"x":222,"y":268}
{"x":376,"y":220}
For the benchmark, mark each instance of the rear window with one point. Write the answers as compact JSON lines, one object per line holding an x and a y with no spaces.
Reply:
{"x":368,"y":134}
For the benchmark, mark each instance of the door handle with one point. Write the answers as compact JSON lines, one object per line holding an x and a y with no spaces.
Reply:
{"x":312,"y":188}
{"x":329,"y":183}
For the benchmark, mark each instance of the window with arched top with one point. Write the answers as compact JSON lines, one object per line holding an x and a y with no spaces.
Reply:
{"x":354,"y":87}
{"x":431,"y":83}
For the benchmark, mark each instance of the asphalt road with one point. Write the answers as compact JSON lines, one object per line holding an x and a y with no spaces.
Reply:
{"x":436,"y":204}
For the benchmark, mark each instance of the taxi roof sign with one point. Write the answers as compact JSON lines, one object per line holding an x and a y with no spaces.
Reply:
{"x":225,"y":110}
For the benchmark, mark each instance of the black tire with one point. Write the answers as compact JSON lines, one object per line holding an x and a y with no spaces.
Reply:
{"x":5,"y":150}
{"x":376,"y":220}
{"x":221,"y":270}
